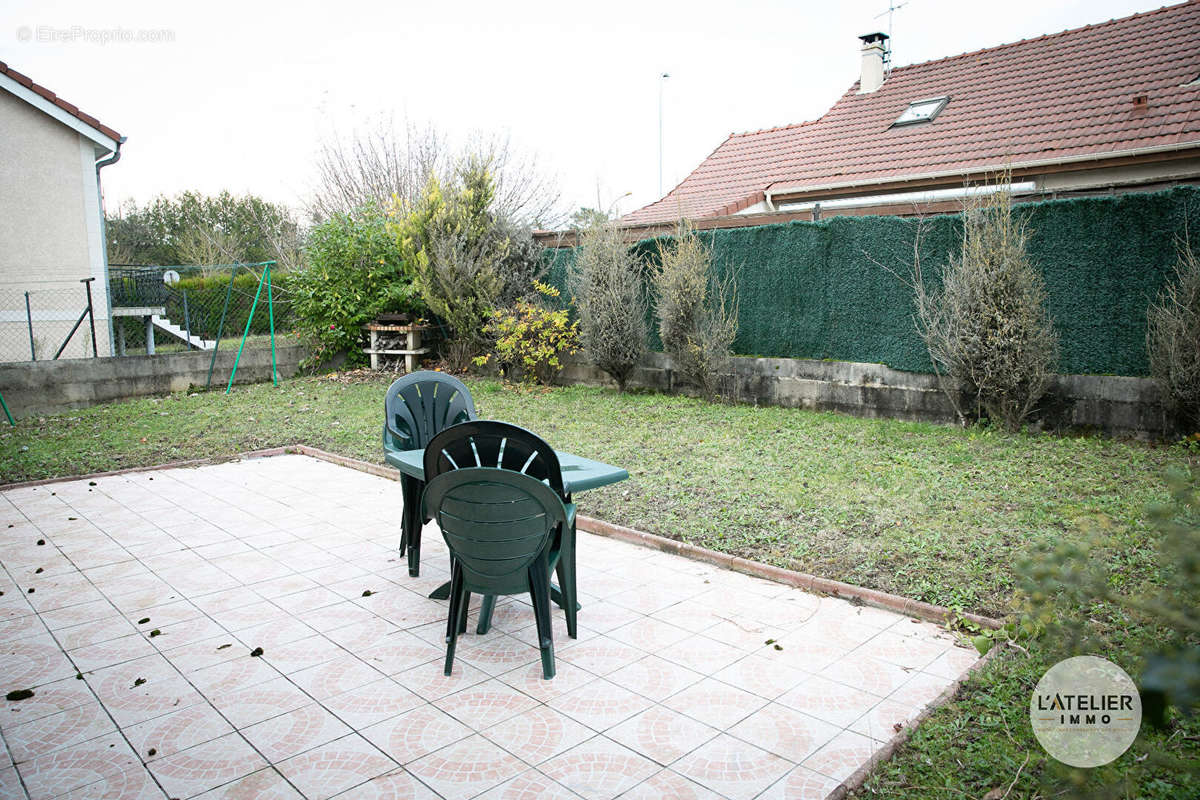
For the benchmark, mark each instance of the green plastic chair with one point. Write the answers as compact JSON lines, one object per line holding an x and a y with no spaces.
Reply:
{"x":415,"y":409}
{"x":490,"y":443}
{"x":500,"y":527}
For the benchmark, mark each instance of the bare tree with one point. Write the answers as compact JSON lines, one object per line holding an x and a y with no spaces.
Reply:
{"x":608,"y":286}
{"x":697,"y":309}
{"x":987,"y":328}
{"x":382,"y":164}
{"x":376,"y":164}
{"x":1173,"y":337}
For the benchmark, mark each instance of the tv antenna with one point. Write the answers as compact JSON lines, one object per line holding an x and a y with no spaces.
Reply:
{"x":891,"y":12}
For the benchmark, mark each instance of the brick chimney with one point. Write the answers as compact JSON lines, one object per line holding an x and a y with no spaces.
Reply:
{"x":874,"y":50}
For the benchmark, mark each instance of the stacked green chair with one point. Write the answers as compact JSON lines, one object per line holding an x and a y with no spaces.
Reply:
{"x":500,"y":527}
{"x":416,"y":408}
{"x":488,"y":443}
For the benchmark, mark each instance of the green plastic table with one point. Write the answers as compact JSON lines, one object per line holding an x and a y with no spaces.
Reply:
{"x":578,"y":473}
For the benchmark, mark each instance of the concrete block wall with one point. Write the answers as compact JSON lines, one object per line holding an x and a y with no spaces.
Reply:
{"x":48,"y":387}
{"x":1117,"y":406}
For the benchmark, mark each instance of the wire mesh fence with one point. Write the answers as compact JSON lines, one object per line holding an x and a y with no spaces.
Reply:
{"x":195,"y":308}
{"x":51,"y":319}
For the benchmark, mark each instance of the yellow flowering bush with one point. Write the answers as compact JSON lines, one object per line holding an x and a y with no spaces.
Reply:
{"x":529,"y":338}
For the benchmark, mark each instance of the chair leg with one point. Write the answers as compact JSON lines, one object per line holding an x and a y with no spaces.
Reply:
{"x":539,"y":591}
{"x":456,"y":603}
{"x":415,"y":518}
{"x":463,"y":611}
{"x":405,"y":514}
{"x":566,"y":580}
{"x":485,"y":613}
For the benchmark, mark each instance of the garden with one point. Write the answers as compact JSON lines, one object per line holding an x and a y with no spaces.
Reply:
{"x":1075,"y":542}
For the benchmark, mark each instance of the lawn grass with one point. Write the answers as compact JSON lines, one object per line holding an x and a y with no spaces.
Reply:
{"x":932,"y":512}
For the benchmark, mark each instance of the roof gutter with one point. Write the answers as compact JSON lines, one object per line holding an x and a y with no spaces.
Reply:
{"x":796,"y":189}
{"x":101,"y":164}
{"x":114,"y":158}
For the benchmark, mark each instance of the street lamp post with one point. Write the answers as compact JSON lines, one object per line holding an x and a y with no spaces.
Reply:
{"x":661,"y":83}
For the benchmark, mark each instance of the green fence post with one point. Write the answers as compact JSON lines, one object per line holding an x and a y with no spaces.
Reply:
{"x":246,"y":334}
{"x":6,"y":413}
{"x":271,"y":316}
{"x":220,"y":327}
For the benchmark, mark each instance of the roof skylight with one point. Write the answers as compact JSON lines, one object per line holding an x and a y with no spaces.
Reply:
{"x":922,"y":110}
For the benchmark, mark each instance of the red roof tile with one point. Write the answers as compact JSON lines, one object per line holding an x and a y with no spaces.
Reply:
{"x":70,"y":108}
{"x":1057,"y":96}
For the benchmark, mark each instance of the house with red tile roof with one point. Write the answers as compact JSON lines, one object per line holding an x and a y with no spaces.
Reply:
{"x":1112,"y":107}
{"x":51,"y":221}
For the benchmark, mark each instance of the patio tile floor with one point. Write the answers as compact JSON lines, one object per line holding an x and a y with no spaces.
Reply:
{"x":130,"y":605}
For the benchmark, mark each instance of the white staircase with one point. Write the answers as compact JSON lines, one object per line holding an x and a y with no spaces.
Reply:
{"x":162,"y":323}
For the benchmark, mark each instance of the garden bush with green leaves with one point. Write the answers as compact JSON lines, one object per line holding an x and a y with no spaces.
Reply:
{"x":530,"y":338}
{"x":356,"y":270}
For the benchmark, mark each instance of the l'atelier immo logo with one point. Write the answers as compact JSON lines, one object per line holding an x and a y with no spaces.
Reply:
{"x":1085,"y":711}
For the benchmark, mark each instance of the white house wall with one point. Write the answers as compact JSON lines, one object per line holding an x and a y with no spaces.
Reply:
{"x":50,"y":234}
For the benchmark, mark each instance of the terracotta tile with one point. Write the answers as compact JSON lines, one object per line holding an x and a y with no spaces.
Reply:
{"x":50,"y":698}
{"x":88,"y":633}
{"x":266,"y":784}
{"x":485,"y":704}
{"x":833,"y":702}
{"x":764,"y":677}
{"x":398,"y":652}
{"x":841,"y":756}
{"x":179,"y":634}
{"x":132,"y":784}
{"x":206,"y":766}
{"x":130,"y":702}
{"x":331,"y":768}
{"x":341,"y":674}
{"x":33,"y":661}
{"x":78,"y":614}
{"x":496,"y":653}
{"x":800,"y":784}
{"x":732,"y":768}
{"x":919,"y":690}
{"x":785,"y":732}
{"x":715,"y":703}
{"x":602,"y":655}
{"x":429,"y":682}
{"x":245,"y":707}
{"x":868,"y":673}
{"x":701,"y":654}
{"x":662,"y":734}
{"x":236,"y":673}
{"x":599,"y":769}
{"x":669,"y":784}
{"x":397,"y":785}
{"x":600,"y":704}
{"x":466,"y":768}
{"x":538,"y":734}
{"x":72,"y":726}
{"x":302,"y":654}
{"x":910,"y":651}
{"x":603,"y":617}
{"x":531,"y":785}
{"x":165,"y":614}
{"x":954,"y":663}
{"x":649,"y":634}
{"x":372,"y":703}
{"x":56,"y":773}
{"x":655,"y":678}
{"x":416,"y":733}
{"x":177,"y":731}
{"x":206,"y":653}
{"x":528,"y":679}
{"x":885,"y":720}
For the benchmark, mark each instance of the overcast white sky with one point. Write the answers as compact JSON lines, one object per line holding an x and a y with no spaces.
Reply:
{"x":242,"y":95}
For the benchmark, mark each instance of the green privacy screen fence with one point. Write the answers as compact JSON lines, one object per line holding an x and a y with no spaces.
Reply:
{"x":814,"y":289}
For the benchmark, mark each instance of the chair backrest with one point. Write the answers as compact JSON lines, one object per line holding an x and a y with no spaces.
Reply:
{"x":421,"y":404}
{"x":495,"y":522}
{"x":488,"y":443}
